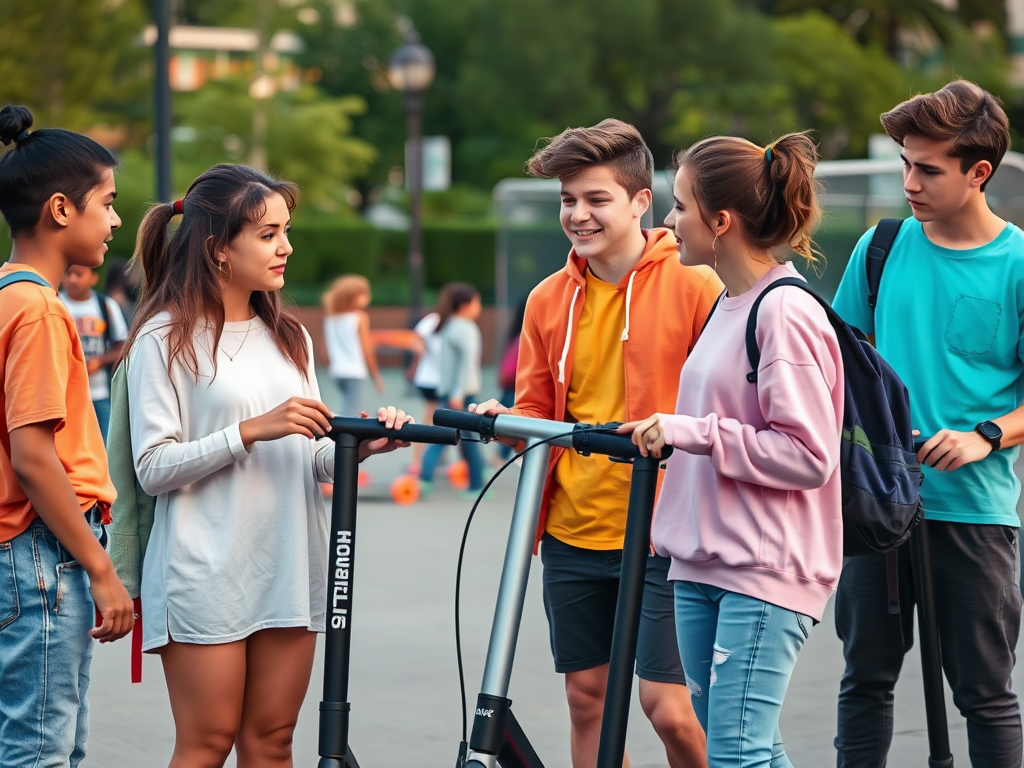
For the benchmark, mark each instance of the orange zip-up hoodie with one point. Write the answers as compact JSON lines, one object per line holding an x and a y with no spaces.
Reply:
{"x":666,"y":307}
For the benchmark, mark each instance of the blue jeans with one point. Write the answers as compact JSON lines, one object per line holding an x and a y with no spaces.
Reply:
{"x":470,"y":449}
{"x":739,"y":653}
{"x":46,"y":612}
{"x":102,"y":408}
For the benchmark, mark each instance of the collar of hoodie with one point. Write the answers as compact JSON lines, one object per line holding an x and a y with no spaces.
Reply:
{"x":578,"y":285}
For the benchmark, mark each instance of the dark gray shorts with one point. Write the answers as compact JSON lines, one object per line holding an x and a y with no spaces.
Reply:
{"x":581,"y":587}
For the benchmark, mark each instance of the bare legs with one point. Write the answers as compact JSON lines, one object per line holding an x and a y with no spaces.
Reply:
{"x":667,"y":706}
{"x":245,"y":694}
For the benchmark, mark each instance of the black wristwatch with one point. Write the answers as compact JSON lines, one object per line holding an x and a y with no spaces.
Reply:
{"x":991,"y":432}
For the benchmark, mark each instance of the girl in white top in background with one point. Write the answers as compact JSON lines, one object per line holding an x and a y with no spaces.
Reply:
{"x":347,"y":336}
{"x":427,"y":374}
{"x":224,"y":410}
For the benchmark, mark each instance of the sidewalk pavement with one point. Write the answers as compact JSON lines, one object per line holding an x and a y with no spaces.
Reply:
{"x":404,"y":686}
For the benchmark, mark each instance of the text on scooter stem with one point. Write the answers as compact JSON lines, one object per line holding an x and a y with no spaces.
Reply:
{"x":342,"y":563}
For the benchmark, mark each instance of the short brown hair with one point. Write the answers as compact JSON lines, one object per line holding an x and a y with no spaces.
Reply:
{"x":772,"y":190}
{"x":962,"y":113}
{"x":611,"y":142}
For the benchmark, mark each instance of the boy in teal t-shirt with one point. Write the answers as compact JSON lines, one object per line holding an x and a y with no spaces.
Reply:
{"x":949,"y":319}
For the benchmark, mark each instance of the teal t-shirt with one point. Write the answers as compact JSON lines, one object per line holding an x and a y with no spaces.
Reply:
{"x":950,"y":324}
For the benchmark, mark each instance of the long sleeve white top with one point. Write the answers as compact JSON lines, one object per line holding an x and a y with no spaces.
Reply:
{"x":239,"y":540}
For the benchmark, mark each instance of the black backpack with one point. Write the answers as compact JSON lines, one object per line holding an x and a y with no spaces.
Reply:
{"x":881,"y":476}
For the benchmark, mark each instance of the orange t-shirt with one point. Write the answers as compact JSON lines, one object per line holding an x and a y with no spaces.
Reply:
{"x":590,"y":495}
{"x":45,"y":379}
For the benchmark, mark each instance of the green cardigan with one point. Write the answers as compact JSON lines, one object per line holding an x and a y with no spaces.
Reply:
{"x":132,"y":512}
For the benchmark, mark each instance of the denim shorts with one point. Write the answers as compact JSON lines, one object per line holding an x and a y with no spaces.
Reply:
{"x":581,"y":587}
{"x":46,"y":612}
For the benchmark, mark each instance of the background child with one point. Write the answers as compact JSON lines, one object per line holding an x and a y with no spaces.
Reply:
{"x":56,"y":194}
{"x":102,"y":329}
{"x":350,"y":352}
{"x":460,"y":374}
{"x":427,"y":374}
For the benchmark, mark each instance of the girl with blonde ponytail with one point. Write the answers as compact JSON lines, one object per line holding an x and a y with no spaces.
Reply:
{"x":750,"y":510}
{"x":224,"y":409}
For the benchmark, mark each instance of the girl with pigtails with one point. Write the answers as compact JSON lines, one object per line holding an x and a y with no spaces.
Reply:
{"x":750,"y":510}
{"x":224,"y":412}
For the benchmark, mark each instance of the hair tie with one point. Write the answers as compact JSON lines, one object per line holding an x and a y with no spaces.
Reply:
{"x":178,"y":209}
{"x":21,"y":136}
{"x":768,"y":155}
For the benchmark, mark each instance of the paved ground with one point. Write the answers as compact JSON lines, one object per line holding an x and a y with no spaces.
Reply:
{"x":404,"y":691}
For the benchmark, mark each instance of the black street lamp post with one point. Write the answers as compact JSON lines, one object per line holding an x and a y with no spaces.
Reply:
{"x":162,"y":98}
{"x":411,"y":71}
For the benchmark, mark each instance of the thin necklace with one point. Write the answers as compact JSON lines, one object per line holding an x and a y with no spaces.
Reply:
{"x":231,"y":358}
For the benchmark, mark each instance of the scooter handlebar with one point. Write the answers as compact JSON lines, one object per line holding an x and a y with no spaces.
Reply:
{"x":470,"y":422}
{"x":371,"y":429}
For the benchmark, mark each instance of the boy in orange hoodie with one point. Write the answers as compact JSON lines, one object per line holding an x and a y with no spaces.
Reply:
{"x":603,"y":340}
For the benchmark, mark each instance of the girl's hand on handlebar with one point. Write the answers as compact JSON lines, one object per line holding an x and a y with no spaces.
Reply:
{"x":648,"y":435}
{"x":295,"y":416}
{"x":391,"y":418}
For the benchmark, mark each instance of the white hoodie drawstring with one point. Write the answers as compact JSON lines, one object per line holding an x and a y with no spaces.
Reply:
{"x":568,"y":337}
{"x":629,"y":297}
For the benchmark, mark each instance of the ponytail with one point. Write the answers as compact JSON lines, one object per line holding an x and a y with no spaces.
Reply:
{"x":150,"y":259}
{"x":772,"y":190}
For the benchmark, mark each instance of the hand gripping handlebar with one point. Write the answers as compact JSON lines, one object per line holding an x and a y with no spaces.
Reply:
{"x":371,"y":429}
{"x":584,"y":438}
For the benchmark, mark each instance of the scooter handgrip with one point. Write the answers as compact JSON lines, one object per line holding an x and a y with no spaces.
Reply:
{"x":470,"y":422}
{"x":588,"y":441}
{"x":371,"y":429}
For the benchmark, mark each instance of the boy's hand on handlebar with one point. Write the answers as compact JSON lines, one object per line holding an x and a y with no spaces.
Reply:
{"x":493,"y":408}
{"x":295,"y":416}
{"x":391,"y":418}
{"x":488,"y":408}
{"x":648,"y":435}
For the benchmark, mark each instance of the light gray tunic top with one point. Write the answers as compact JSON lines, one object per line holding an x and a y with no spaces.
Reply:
{"x":239,"y":540}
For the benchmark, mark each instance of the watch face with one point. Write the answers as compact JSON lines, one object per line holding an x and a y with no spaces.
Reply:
{"x":990,"y":430}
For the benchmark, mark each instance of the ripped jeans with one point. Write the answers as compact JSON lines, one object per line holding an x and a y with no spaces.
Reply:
{"x":739,"y":653}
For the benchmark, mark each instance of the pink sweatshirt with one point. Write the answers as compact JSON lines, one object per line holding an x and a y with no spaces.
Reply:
{"x":751,"y":498}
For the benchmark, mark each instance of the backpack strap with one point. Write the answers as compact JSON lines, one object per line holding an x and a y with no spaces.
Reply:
{"x":878,"y":253}
{"x":753,"y":352}
{"x":23,"y":276}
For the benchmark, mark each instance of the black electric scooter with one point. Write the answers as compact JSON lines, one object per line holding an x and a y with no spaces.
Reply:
{"x":348,"y":433}
{"x":497,"y":738}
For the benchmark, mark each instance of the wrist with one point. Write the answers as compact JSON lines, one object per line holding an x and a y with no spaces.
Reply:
{"x":990,"y":433}
{"x":248,"y":430}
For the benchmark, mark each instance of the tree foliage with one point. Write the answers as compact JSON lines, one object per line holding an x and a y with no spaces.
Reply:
{"x":73,"y":62}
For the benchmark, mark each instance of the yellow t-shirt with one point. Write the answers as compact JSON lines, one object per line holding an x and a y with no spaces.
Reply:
{"x":588,"y":504}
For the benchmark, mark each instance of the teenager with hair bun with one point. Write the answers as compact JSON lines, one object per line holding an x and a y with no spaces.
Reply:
{"x":57,"y":196}
{"x":750,"y":511}
{"x":224,"y":411}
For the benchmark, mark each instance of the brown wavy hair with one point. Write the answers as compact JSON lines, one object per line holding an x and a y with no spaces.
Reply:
{"x":963,"y":114}
{"x":772,"y":190}
{"x":180,"y":274}
{"x":344,"y":291}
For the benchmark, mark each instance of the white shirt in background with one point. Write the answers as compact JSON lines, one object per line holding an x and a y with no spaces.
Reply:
{"x":91,"y":330}
{"x":428,"y":370}
{"x":344,"y":347}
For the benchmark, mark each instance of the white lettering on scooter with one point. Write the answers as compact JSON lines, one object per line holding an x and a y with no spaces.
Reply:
{"x":342,"y":568}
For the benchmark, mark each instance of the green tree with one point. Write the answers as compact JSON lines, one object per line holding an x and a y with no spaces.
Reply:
{"x":73,"y":62}
{"x":309,"y":139}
